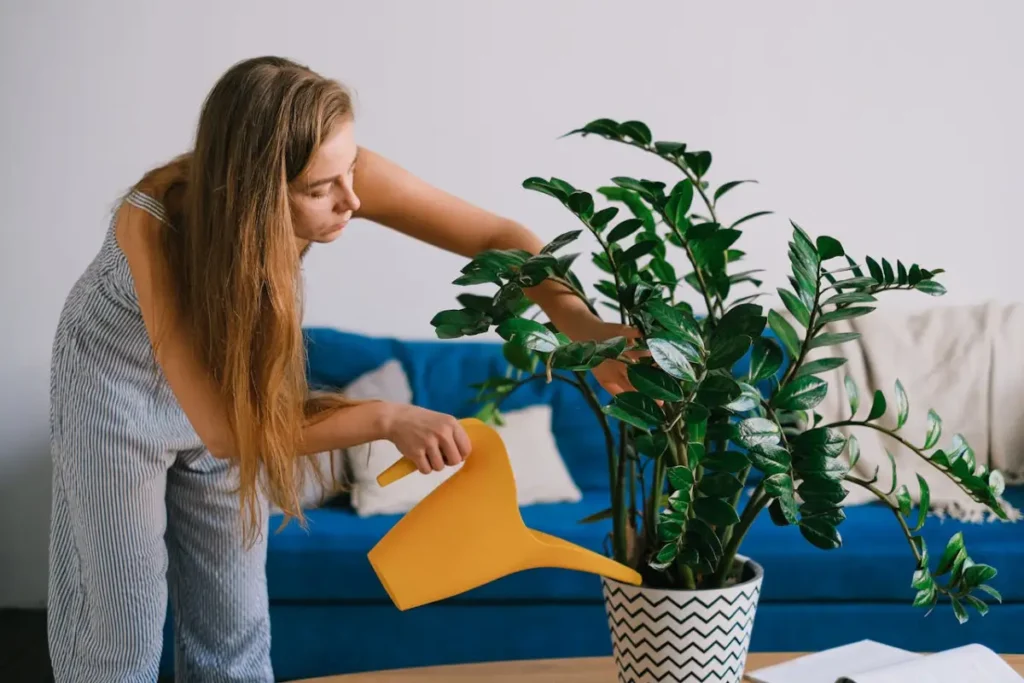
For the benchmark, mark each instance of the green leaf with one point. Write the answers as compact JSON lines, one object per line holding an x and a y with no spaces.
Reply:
{"x":977,"y":574}
{"x":578,"y":356}
{"x":755,"y":431}
{"x":654,"y":383}
{"x":665,"y":556}
{"x":795,"y":306}
{"x":639,"y":250}
{"x":675,"y":320}
{"x":976,"y":604}
{"x":632,"y":200}
{"x":991,"y":591}
{"x":785,"y":332}
{"x":934,"y":430}
{"x":581,"y":203}
{"x":600,"y":219}
{"x":953,"y":548}
{"x":842,"y":314}
{"x":726,"y":353}
{"x":833,"y":339}
{"x":849,"y":298}
{"x":853,"y":446}
{"x":819,"y":466}
{"x":699,"y":162}
{"x":903,"y":500}
{"x":803,"y":393}
{"x":853,"y":394}
{"x":780,"y":516}
{"x":875,"y":270}
{"x":519,"y":356}
{"x":878,"y":406}
{"x":820,"y":365}
{"x":958,"y":610}
{"x":765,"y":359}
{"x":718,"y":390}
{"x":892,"y":463}
{"x":926,"y":501}
{"x":640,"y":410}
{"x":671,"y":357}
{"x":829,"y":248}
{"x":679,"y":203}
{"x":822,"y":441}
{"x":996,"y":482}
{"x":725,"y":461}
{"x":822,"y":491}
{"x":532,"y":334}
{"x":778,"y":484}
{"x":744,"y":319}
{"x":715,"y":511}
{"x":562,"y":240}
{"x":725,"y":187}
{"x":890,"y":276}
{"x":750,"y":217}
{"x":625,"y":229}
{"x":902,"y":405}
{"x":719,"y":485}
{"x":925,"y":597}
{"x":821,"y":533}
{"x":922,"y":579}
{"x":680,"y":478}
{"x":546,"y":187}
{"x":596,"y":517}
{"x":637,"y":130}
{"x":930,"y":287}
{"x":770,"y":458}
{"x":669,"y":148}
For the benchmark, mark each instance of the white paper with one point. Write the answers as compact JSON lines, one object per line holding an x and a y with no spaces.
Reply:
{"x":830,"y":665}
{"x":967,"y":663}
{"x":867,"y":661}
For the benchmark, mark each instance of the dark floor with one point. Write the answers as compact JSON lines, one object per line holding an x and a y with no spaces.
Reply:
{"x":23,"y":655}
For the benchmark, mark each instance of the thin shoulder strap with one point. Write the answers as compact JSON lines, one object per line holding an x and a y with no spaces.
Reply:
{"x":148,"y":204}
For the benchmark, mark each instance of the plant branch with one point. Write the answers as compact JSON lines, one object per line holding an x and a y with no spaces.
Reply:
{"x":758,"y":500}
{"x":917,"y":451}
{"x":805,"y":346}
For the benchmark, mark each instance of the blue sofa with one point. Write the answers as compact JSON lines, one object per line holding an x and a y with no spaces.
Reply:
{"x":330,"y":615}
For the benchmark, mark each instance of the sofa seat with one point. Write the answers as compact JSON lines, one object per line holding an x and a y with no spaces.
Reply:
{"x":327,"y":561}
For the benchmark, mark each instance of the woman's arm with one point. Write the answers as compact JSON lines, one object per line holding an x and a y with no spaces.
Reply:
{"x":429,"y":439}
{"x":394,"y":197}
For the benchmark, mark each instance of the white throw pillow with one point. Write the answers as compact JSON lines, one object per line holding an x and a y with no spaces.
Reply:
{"x":540,"y":472}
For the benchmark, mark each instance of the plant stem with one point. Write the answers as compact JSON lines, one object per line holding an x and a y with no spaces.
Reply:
{"x":618,"y":532}
{"x":734,"y":501}
{"x":804,"y":347}
{"x":757,"y":502}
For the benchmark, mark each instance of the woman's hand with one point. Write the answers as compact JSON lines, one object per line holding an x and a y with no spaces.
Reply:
{"x":429,"y":439}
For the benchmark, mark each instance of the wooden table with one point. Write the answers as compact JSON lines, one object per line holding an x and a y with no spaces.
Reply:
{"x":579,"y":670}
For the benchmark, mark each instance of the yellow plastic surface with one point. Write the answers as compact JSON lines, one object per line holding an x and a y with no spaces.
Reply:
{"x":468,"y":532}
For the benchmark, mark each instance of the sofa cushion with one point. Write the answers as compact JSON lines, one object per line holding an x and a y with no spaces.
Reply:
{"x":329,"y":562}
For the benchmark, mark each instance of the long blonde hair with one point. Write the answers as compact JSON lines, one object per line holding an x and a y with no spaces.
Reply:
{"x":233,"y":252}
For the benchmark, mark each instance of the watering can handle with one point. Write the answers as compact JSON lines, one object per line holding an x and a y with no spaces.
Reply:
{"x":396,"y":471}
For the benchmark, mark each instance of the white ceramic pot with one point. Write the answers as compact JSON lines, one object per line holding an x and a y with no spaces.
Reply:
{"x":662,"y":636}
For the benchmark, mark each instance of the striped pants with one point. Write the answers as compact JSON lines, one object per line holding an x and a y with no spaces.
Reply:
{"x":133,"y":525}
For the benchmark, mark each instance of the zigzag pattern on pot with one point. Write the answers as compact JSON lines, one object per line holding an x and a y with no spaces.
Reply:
{"x":680,"y":639}
{"x":631,"y":675}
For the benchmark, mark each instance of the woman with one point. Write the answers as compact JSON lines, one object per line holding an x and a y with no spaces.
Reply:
{"x":178,"y":396}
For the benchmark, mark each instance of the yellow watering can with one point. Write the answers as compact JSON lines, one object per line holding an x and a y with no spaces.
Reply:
{"x":468,"y":532}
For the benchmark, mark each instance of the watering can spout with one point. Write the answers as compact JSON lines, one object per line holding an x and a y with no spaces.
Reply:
{"x":469,"y":532}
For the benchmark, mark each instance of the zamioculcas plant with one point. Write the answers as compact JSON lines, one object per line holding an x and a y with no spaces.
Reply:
{"x":681,"y":447}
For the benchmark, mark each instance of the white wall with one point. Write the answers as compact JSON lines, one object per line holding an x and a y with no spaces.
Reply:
{"x":894,"y":126}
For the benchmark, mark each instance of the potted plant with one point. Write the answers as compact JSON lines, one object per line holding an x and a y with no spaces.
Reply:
{"x":685,"y":446}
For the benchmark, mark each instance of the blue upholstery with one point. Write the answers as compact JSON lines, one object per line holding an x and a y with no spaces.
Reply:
{"x":330,"y":614}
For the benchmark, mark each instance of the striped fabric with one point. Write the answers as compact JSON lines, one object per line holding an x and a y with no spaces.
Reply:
{"x":142,"y":513}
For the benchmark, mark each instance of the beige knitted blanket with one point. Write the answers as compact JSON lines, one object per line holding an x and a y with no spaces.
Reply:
{"x":963,"y":362}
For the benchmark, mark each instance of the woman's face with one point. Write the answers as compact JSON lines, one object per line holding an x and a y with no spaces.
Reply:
{"x":322,"y":199}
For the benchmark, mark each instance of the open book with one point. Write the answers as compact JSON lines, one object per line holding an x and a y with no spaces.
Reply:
{"x":867,"y":661}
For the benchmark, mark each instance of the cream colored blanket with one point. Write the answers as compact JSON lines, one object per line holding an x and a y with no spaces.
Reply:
{"x":964,"y":362}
